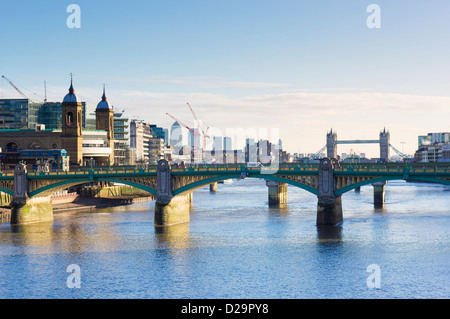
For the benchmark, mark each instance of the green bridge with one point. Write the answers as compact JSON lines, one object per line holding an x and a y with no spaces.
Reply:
{"x":172,"y":187}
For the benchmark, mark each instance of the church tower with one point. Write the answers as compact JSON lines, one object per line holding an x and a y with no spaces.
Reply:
{"x":104,"y":121}
{"x":71,"y":137}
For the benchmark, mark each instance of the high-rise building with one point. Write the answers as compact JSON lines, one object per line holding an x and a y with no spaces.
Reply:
{"x":217,"y":144}
{"x":18,"y":113}
{"x":251,"y":154}
{"x":178,"y":135}
{"x":121,"y":139}
{"x":227,"y":143}
{"x":148,"y":140}
{"x":434,"y":147}
{"x":25,"y":114}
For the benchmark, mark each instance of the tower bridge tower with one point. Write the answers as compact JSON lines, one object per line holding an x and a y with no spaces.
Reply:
{"x":385,"y":138}
{"x":331,"y":144}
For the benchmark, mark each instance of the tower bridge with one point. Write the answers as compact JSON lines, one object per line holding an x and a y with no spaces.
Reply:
{"x":384,"y":141}
{"x":172,"y":187}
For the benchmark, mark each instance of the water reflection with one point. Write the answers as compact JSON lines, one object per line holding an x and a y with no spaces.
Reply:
{"x":327,"y":234}
{"x":236,"y":247}
{"x":36,"y":236}
{"x":175,"y":237}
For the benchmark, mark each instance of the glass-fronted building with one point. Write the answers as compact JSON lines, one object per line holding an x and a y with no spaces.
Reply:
{"x":25,"y":114}
{"x":121,"y":139}
{"x":18,"y":113}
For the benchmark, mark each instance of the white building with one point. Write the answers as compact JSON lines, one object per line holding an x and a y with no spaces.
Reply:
{"x":95,"y":146}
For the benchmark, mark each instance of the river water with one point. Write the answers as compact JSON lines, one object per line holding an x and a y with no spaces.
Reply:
{"x":237,"y":247}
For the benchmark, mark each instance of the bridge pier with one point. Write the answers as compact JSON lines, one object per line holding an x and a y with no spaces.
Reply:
{"x":213,"y":187}
{"x":169,"y":209}
{"x":329,"y":211}
{"x":24,"y":209}
{"x":329,"y":206}
{"x":378,"y":194}
{"x":176,"y":211}
{"x":277,"y":193}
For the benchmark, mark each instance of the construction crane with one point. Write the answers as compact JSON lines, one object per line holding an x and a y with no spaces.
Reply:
{"x":182,"y":124}
{"x":205,"y":133}
{"x":15,"y":87}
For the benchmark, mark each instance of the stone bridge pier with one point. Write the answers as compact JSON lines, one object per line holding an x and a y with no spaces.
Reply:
{"x":277,"y":193}
{"x":378,"y":194}
{"x":213,"y":187}
{"x":24,"y":209}
{"x":169,"y":209}
{"x":329,"y":206}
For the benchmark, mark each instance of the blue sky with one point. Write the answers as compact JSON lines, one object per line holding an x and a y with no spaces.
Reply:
{"x":300,"y":66}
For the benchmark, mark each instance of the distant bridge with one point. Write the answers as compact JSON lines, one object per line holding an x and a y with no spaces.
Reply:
{"x":172,"y":186}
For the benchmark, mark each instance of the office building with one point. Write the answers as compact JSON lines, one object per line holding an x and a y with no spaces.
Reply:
{"x":434,"y":147}
{"x":26,"y":114}
{"x":83,"y":146}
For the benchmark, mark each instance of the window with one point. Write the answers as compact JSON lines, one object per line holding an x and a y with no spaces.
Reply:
{"x":69,"y":119}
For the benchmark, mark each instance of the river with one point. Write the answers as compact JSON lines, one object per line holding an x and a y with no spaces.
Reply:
{"x":235,"y":246}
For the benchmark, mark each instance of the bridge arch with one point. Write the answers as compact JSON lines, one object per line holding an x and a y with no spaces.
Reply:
{"x":388,"y":178}
{"x":214,"y":179}
{"x":7,"y":191}
{"x":11,"y":145}
{"x":55,"y":187}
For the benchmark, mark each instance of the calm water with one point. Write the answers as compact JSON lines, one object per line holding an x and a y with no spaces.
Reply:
{"x":236,"y":247}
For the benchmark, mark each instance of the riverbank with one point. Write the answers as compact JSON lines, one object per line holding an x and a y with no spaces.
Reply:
{"x":85,"y":204}
{"x":89,"y":203}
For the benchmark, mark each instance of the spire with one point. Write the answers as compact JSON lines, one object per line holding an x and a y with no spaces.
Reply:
{"x":71,"y":90}
{"x":103,"y":104}
{"x":71,"y":97}
{"x":104,"y":95}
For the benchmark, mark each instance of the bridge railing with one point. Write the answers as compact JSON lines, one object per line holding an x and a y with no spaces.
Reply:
{"x":284,"y":168}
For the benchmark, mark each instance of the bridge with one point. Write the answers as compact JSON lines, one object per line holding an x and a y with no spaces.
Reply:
{"x":384,"y":141}
{"x":172,"y":187}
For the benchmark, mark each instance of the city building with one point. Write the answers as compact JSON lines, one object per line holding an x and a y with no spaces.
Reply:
{"x":83,"y":147}
{"x":121,"y":140}
{"x":26,"y":114}
{"x":179,"y":136}
{"x":149,"y":142}
{"x":434,"y":147}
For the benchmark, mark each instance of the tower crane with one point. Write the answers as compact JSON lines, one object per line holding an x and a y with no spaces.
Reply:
{"x":15,"y":87}
{"x":205,"y":133}
{"x":182,"y":124}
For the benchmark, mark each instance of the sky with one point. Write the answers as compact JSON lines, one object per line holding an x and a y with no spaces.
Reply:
{"x":296,"y":67}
